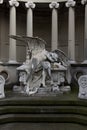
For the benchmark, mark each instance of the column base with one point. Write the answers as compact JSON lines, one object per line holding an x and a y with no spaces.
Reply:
{"x":1,"y":62}
{"x":84,"y":62}
{"x":72,"y":62}
{"x":12,"y":62}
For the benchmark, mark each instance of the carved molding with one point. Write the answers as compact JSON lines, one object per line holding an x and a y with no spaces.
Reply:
{"x":14,"y":3}
{"x":70,"y":3}
{"x":54,"y":5}
{"x":83,"y":2}
{"x":2,"y":83}
{"x":30,"y":4}
{"x":1,"y":1}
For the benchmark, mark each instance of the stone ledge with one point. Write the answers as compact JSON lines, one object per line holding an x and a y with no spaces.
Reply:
{"x":58,"y":118}
{"x":43,"y":1}
{"x":43,"y":110}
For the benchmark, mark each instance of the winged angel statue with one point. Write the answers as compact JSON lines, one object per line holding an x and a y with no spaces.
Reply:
{"x":39,"y":63}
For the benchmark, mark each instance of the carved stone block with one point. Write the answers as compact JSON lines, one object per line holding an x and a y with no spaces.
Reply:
{"x":2,"y":83}
{"x":41,"y":68}
{"x":82,"y":81}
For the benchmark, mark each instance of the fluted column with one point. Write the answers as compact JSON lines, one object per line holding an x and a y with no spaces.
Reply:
{"x":30,"y":6}
{"x":1,"y":2}
{"x":12,"y":30}
{"x":54,"y":41}
{"x":71,"y":30}
{"x":84,"y":2}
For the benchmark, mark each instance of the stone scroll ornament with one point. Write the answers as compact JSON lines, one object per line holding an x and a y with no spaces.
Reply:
{"x":70,"y":3}
{"x":30,"y":4}
{"x":82,"y":81}
{"x":14,"y":3}
{"x":54,"y":5}
{"x":35,"y":72}
{"x":83,"y":2}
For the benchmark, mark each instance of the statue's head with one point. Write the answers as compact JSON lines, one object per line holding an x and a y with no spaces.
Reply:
{"x":53,"y":57}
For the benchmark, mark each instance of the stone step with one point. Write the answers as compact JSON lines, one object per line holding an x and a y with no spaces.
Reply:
{"x":43,"y":110}
{"x":62,"y":108}
{"x":58,"y":118}
{"x":41,"y":101}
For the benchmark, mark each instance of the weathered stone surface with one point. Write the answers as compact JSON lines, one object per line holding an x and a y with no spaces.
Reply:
{"x":2,"y":83}
{"x":43,"y":68}
{"x":82,"y":81}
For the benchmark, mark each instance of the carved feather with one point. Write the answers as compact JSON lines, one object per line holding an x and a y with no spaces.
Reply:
{"x":62,"y":57}
{"x":33,"y":43}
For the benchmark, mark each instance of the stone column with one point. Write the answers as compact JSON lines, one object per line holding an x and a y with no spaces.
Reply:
{"x":30,"y":6}
{"x":1,"y":2}
{"x":54,"y":41}
{"x":12,"y":30}
{"x":84,"y":2}
{"x":71,"y":30}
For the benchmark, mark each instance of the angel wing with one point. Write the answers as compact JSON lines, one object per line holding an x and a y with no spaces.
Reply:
{"x":18,"y":37}
{"x":62,"y":57}
{"x":34,"y":43}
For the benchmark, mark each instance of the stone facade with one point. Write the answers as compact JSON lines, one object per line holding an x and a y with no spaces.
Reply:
{"x":42,"y":26}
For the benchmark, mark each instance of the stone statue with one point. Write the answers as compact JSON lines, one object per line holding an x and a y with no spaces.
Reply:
{"x":39,"y":64}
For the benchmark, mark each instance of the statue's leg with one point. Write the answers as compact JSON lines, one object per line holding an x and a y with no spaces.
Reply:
{"x":43,"y":77}
{"x":50,"y":75}
{"x":27,"y":89}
